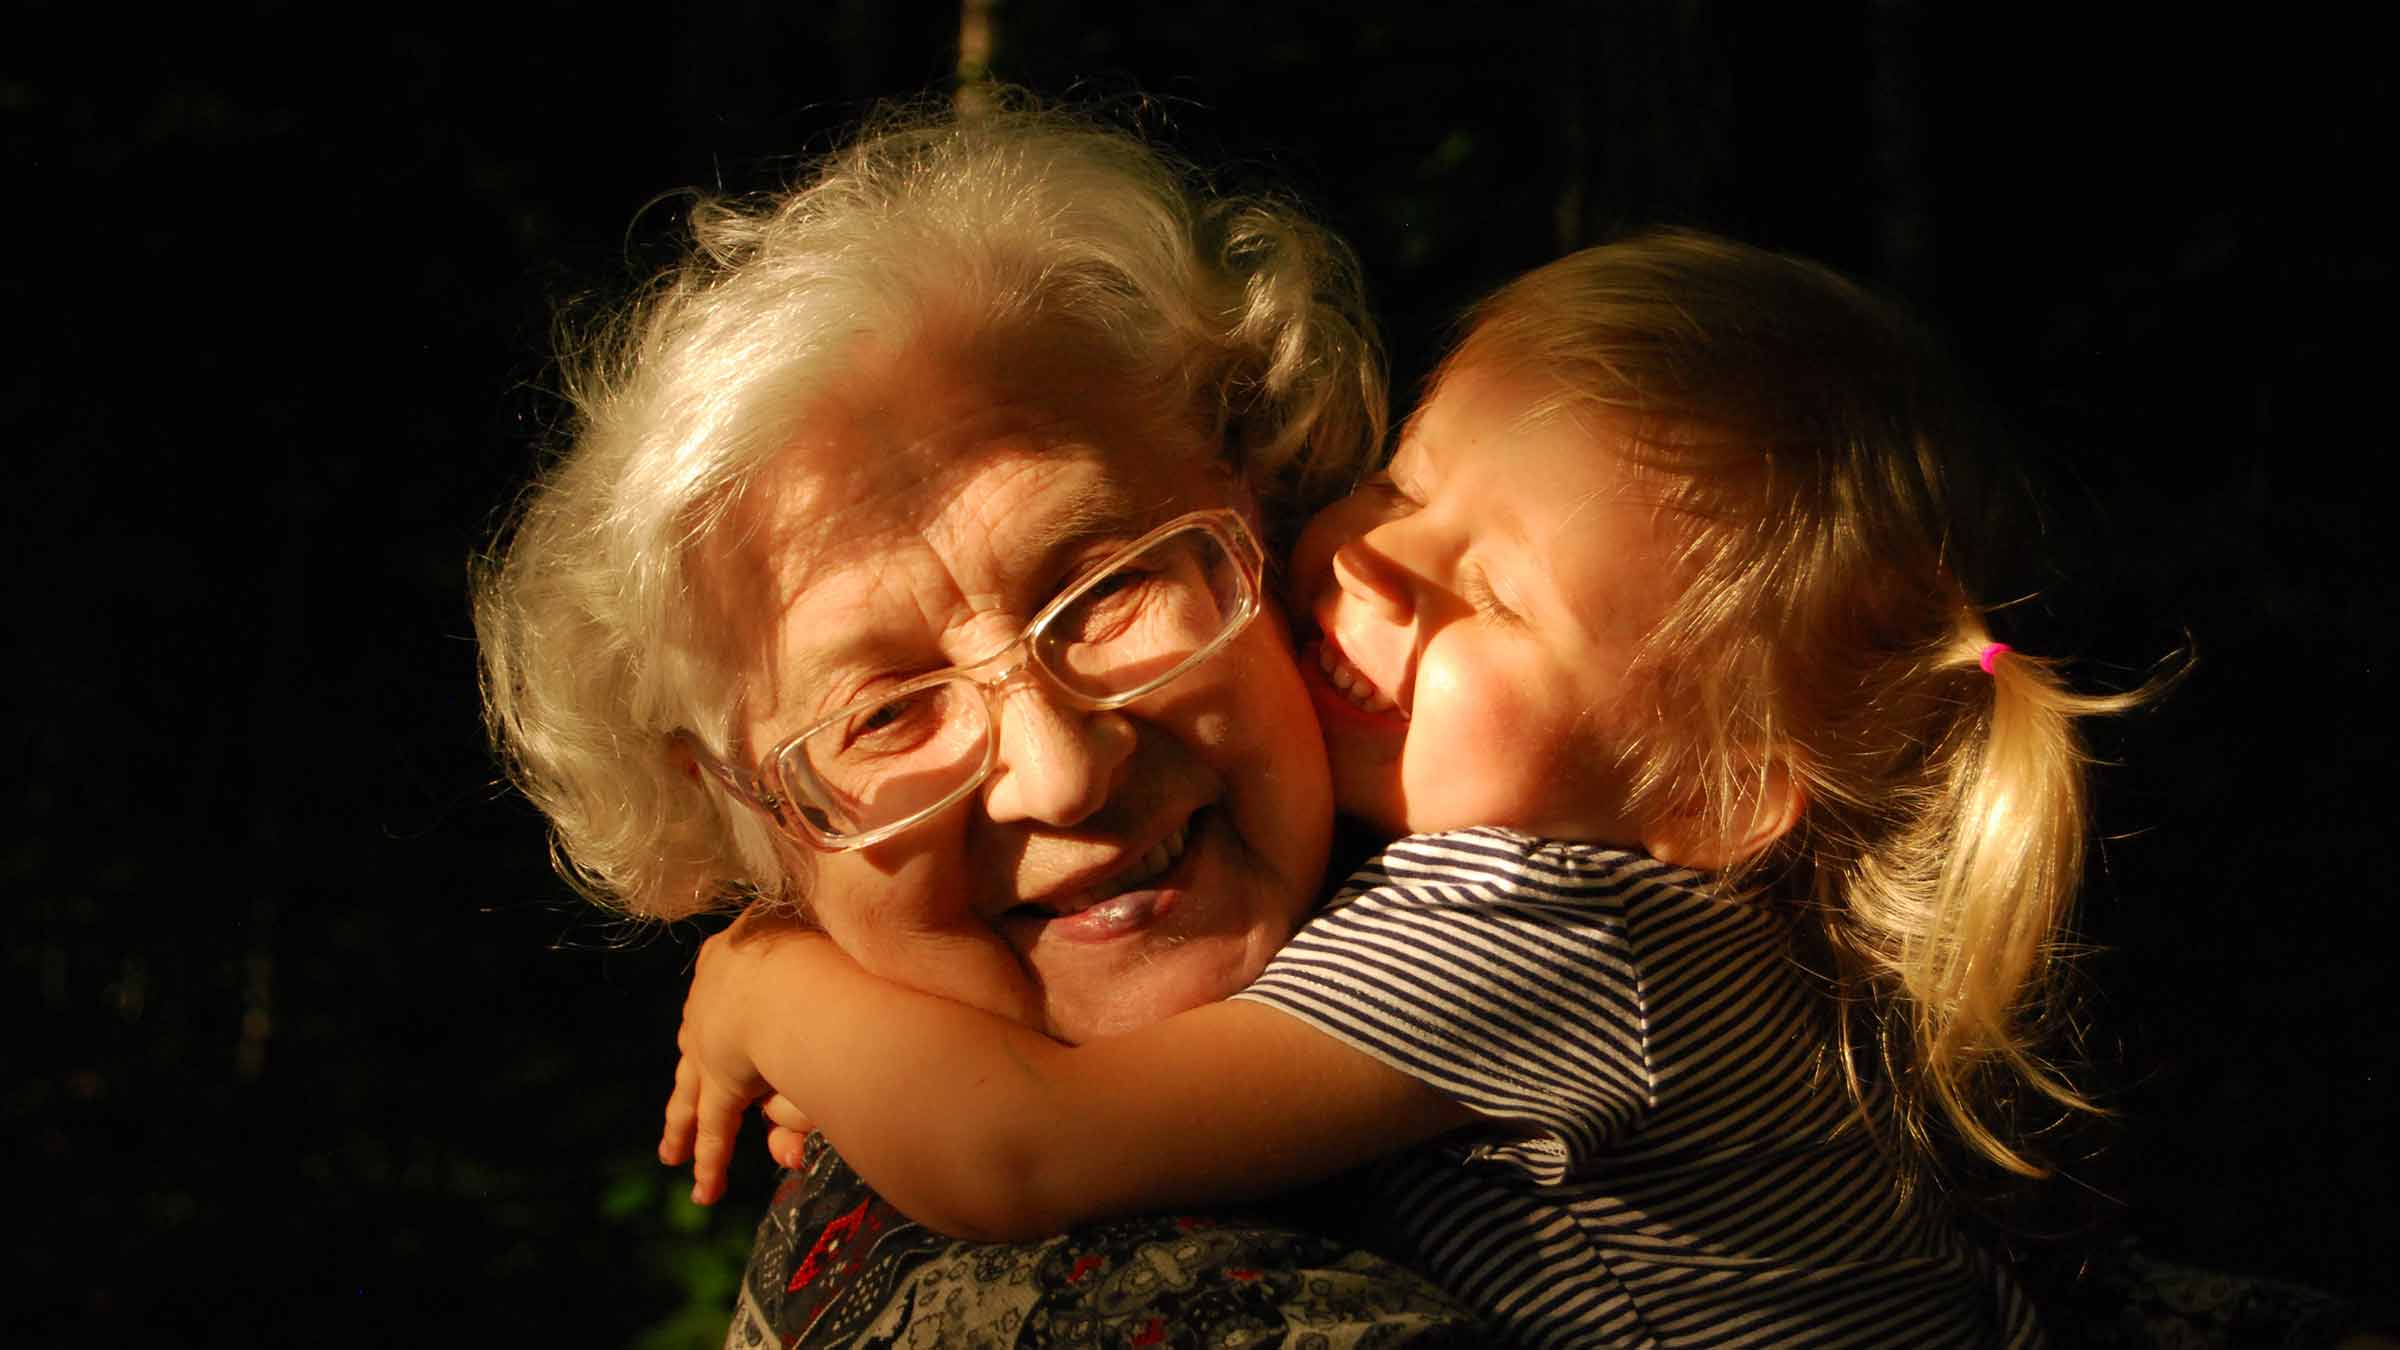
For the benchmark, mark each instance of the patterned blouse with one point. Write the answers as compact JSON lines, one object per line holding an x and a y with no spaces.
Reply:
{"x":835,"y":1265}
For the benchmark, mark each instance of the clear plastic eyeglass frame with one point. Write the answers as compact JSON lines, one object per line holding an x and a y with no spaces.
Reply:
{"x":770,"y":789}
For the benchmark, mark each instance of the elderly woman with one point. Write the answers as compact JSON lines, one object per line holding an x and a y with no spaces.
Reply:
{"x":906,"y":573}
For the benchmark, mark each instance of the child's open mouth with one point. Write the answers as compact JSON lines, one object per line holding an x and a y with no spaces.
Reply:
{"x":1353,"y":685}
{"x":1350,"y":685}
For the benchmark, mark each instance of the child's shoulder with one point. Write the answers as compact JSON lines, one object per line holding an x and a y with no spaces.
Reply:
{"x":1494,"y":856}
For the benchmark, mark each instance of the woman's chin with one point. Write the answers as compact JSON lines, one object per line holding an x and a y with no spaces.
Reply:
{"x":1166,"y":983}
{"x":1199,"y":933}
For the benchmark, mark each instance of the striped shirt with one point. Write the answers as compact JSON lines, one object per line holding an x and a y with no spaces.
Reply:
{"x":1671,"y":1162}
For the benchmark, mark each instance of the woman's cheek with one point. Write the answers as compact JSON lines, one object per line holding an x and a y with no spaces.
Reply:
{"x":1311,"y":564}
{"x":1311,"y":567}
{"x":1290,"y":787}
{"x":905,"y":912}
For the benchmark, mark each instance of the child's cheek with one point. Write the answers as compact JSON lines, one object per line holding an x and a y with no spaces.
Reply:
{"x":1516,"y":776}
{"x":1478,"y":751}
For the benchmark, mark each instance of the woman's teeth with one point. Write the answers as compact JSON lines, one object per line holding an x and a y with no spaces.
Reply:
{"x":1354,"y":686}
{"x":1108,"y":900}
{"x":1161,"y":856}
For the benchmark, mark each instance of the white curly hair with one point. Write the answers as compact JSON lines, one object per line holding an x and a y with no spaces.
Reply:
{"x":1015,"y":220}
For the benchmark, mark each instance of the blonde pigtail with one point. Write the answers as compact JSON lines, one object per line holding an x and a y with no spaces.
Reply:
{"x":1979,"y":970}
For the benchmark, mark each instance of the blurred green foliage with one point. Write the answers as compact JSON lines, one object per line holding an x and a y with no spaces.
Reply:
{"x":701,"y":1249}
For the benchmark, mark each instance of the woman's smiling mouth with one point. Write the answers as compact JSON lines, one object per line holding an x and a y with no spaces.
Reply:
{"x":1131,"y":899}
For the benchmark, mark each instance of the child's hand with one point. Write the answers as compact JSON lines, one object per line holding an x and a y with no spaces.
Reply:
{"x":703,"y":1117}
{"x":788,"y":1129}
{"x":715,"y":1077}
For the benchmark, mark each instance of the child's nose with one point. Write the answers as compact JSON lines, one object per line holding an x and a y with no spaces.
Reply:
{"x":1366,"y":572}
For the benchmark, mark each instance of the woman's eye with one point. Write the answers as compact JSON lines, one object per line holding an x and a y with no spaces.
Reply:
{"x":889,"y":724}
{"x":1114,"y":584}
{"x":1104,"y":609}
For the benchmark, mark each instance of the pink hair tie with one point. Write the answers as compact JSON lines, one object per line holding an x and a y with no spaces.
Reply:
{"x":1991,"y":653}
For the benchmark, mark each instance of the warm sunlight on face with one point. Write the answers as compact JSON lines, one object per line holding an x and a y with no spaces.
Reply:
{"x":1479,"y":608}
{"x":1117,"y":866}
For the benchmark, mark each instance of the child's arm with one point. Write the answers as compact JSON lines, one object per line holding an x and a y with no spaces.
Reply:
{"x":705,"y":1108}
{"x":982,"y":1128}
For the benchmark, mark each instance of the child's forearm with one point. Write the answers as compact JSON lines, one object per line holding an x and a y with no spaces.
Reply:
{"x":940,"y":1106}
{"x":776,"y":1007}
{"x":982,"y":1128}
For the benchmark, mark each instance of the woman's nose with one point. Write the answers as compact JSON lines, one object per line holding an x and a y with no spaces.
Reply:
{"x":1058,"y":764}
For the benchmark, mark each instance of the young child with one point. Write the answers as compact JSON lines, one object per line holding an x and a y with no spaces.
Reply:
{"x":1736,"y":852}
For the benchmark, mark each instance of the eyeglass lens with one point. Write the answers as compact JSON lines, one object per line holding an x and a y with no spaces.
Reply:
{"x":1126,"y":631}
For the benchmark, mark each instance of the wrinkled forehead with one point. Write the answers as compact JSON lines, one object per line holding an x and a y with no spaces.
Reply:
{"x":980,"y":513}
{"x":960,"y":444}
{"x":932,"y":488}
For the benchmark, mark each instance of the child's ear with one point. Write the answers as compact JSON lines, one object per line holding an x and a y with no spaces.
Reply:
{"x":1694,"y":841}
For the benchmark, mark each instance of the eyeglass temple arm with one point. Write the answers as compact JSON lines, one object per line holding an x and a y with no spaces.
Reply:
{"x":737,"y":782}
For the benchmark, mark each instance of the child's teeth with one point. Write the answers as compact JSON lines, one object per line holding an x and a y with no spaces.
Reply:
{"x":1347,"y":678}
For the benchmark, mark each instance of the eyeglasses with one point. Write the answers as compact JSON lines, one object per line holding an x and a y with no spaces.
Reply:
{"x":1165,"y":603}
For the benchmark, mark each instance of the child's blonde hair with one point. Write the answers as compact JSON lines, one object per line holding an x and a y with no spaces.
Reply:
{"x":1810,"y":438}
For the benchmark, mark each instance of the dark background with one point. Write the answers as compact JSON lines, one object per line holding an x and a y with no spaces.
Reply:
{"x":311,"y":1044}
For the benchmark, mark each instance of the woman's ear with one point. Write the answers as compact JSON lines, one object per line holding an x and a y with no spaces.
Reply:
{"x":1694,"y":840}
{"x":681,"y":760}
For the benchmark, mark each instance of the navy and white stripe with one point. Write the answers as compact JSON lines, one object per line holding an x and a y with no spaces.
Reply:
{"x":1673,"y":1160}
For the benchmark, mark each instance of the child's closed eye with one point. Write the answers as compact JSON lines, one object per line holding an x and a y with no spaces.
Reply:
{"x":1477,"y":591}
{"x":1388,"y":490}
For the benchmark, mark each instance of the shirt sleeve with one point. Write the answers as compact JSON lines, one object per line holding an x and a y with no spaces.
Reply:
{"x":1497,"y":969}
